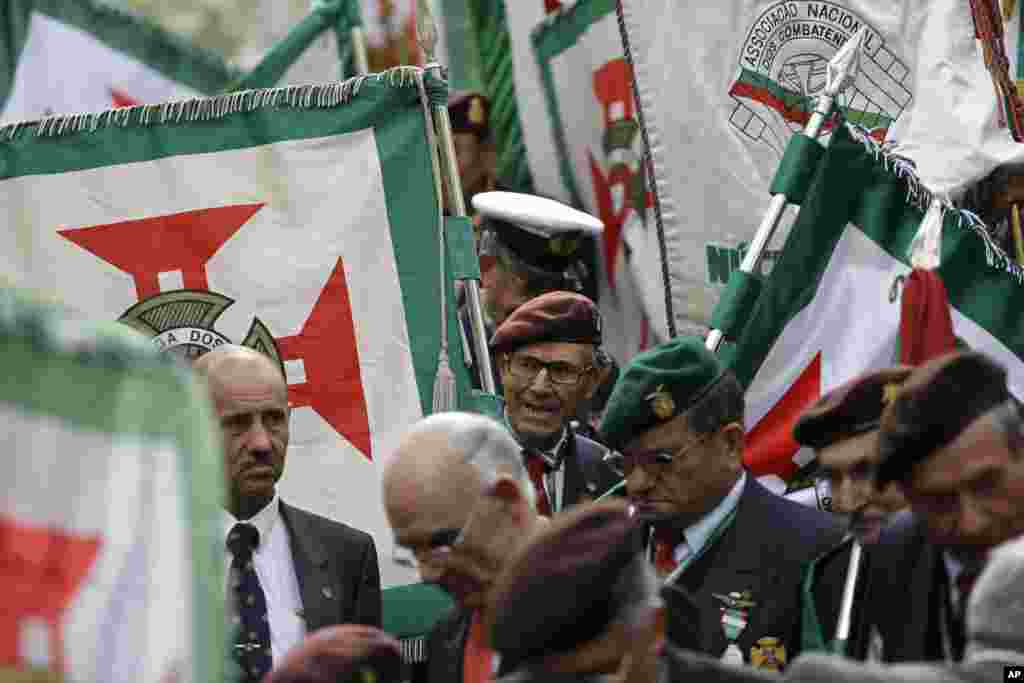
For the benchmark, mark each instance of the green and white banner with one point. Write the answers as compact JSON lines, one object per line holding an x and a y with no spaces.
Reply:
{"x":723,"y":85}
{"x":64,"y":56}
{"x":110,"y":509}
{"x":831,"y":307}
{"x":301,"y":221}
{"x":584,"y":147}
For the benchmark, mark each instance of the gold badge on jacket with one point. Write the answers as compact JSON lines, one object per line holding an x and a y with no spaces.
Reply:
{"x":768,"y":654}
{"x":662,"y":404}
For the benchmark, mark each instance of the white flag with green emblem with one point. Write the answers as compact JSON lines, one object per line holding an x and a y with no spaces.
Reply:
{"x":831,"y":308}
{"x":110,"y":512}
{"x":63,"y":56}
{"x":301,"y":221}
{"x":722,"y":87}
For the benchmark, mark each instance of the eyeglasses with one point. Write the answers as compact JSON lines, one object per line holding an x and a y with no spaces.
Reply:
{"x":526,"y":368}
{"x":623,"y":464}
{"x":439,"y":541}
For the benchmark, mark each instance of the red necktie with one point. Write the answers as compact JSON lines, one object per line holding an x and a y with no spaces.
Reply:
{"x":536,"y":466}
{"x":665,"y":541}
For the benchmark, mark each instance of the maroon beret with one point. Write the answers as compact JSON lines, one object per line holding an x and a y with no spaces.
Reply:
{"x":556,"y":593}
{"x":935,"y":404}
{"x":853,"y":408}
{"x":468,"y":112}
{"x":550,"y":317}
{"x":350,"y":653}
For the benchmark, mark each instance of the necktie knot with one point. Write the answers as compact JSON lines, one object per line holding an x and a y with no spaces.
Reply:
{"x":243,"y":539}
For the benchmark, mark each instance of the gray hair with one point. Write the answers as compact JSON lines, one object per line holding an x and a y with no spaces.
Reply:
{"x":486,"y":444}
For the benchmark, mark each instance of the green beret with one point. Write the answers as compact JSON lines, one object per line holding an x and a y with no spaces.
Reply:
{"x":658,"y":385}
{"x":934,"y":406}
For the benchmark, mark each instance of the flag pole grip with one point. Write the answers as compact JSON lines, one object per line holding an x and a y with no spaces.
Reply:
{"x":359,"y":53}
{"x":426,"y":34}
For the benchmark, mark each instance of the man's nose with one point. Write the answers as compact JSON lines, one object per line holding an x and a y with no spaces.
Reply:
{"x":850,"y":494}
{"x":259,"y":437}
{"x":972,"y":522}
{"x":541,"y":382}
{"x":637,"y":481}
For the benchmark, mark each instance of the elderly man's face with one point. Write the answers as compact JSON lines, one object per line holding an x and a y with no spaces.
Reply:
{"x":703,"y":469}
{"x":849,"y":465}
{"x":971,"y":492}
{"x":544,"y":385}
{"x":251,"y":405}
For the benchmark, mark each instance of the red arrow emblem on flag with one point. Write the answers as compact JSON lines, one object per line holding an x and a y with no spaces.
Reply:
{"x":42,"y":571}
{"x":185,"y":242}
{"x":770,"y":446}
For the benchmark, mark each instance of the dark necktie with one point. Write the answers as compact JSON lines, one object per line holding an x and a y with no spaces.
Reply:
{"x":252,"y":640}
{"x":537,"y":468}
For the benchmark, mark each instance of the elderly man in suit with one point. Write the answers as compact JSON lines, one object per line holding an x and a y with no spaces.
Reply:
{"x":995,"y":631}
{"x":547,"y":354}
{"x":676,"y":416}
{"x":459,"y":502}
{"x":290,"y":571}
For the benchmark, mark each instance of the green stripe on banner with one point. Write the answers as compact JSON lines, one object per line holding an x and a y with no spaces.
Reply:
{"x":495,"y":46}
{"x":170,"y":55}
{"x":549,"y":40}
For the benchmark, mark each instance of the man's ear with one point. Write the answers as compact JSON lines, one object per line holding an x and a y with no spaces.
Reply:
{"x":733,"y":436}
{"x":505,"y":493}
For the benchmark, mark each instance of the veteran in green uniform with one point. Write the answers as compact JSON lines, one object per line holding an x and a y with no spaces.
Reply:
{"x":676,"y":419}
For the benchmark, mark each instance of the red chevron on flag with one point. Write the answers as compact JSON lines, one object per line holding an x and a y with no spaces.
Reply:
{"x":770,"y":446}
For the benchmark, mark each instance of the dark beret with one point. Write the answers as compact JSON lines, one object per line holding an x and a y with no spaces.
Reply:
{"x":934,"y":405}
{"x":350,"y":653}
{"x":469,"y":112}
{"x":550,"y":317}
{"x":851,"y":409}
{"x":556,"y":593}
{"x":658,"y":385}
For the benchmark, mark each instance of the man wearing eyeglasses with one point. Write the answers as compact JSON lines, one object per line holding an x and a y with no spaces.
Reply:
{"x":546,"y":354}
{"x":676,"y":418}
{"x":460,"y":503}
{"x":953,"y":440}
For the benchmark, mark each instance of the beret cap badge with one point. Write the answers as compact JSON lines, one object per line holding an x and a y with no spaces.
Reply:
{"x":662,"y":404}
{"x":476,"y":112}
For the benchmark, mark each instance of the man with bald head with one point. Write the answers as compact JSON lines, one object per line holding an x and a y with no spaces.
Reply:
{"x":460,"y":503}
{"x":290,"y":571}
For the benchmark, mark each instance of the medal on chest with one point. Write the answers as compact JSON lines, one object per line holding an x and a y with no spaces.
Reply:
{"x":735,"y":612}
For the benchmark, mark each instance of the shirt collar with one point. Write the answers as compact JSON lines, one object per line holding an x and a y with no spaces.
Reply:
{"x":264,"y":520}
{"x":698,"y":533}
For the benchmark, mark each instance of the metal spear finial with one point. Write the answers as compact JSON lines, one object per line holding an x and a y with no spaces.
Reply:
{"x":426,"y":30}
{"x":845,"y":64}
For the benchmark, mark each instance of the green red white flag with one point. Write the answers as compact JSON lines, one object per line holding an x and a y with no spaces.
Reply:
{"x":64,"y":56}
{"x":831,"y":308}
{"x":722,"y":89}
{"x":296,"y":220}
{"x":110,"y":511}
{"x":584,"y":147}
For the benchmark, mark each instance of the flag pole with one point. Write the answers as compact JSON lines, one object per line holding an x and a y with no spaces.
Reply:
{"x":360,"y":56}
{"x":426,"y":36}
{"x":842,"y":71}
{"x":845,"y":622}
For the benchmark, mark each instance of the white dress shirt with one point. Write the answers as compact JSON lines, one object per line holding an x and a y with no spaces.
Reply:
{"x":554,"y":481}
{"x":276,"y":571}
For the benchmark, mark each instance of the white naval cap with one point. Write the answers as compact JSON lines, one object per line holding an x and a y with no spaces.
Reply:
{"x":542,"y":232}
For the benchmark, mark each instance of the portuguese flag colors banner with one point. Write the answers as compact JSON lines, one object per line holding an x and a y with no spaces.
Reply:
{"x":301,"y":221}
{"x":831,"y":308}
{"x":64,"y":56}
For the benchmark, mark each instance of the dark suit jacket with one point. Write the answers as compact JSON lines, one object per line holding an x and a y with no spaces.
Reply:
{"x":445,"y":647}
{"x":586,"y":474}
{"x":764,"y":552}
{"x":336,"y":566}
